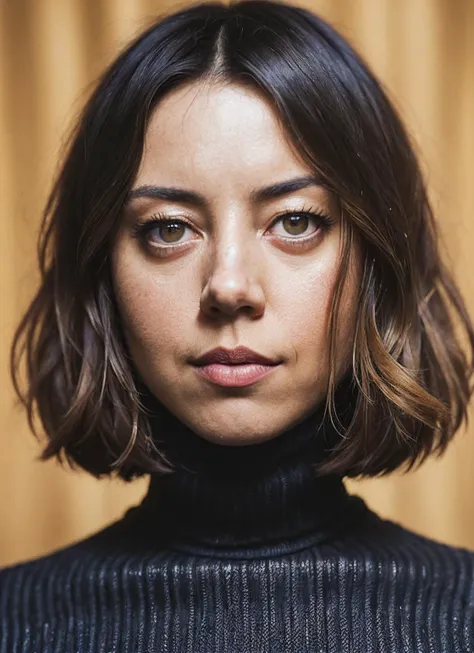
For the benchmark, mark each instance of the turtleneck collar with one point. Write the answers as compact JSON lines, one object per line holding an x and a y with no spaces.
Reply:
{"x":247,"y":501}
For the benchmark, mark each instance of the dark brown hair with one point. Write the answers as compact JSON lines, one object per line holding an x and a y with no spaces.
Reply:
{"x":413,"y":349}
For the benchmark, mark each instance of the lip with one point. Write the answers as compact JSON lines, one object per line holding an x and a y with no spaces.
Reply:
{"x":238,"y":356}
{"x":235,"y":376}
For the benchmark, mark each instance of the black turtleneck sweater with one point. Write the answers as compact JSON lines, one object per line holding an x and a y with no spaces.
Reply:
{"x":243,"y":550}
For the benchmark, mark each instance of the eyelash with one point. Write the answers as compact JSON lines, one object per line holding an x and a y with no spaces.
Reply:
{"x":142,"y":228}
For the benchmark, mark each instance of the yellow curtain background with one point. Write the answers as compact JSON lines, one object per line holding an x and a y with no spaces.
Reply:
{"x":51,"y":51}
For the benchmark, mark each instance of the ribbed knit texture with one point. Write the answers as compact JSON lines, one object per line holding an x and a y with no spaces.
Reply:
{"x":243,"y":550}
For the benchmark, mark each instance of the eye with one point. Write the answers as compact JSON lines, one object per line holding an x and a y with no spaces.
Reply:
{"x":170,"y":231}
{"x":296,"y":223}
{"x":162,"y":231}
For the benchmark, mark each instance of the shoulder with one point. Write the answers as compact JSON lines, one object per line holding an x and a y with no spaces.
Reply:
{"x":66,"y":573}
{"x":41,"y":597}
{"x":409,"y":591}
{"x":425,"y":563}
{"x":31,"y":593}
{"x":19,"y":581}
{"x":14,"y":577}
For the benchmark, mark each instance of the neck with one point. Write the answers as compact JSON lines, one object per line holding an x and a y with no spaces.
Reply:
{"x":251,"y":499}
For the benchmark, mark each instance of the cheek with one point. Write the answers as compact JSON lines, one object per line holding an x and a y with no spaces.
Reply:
{"x":307,"y":313}
{"x":154,"y":308}
{"x":304,"y":298}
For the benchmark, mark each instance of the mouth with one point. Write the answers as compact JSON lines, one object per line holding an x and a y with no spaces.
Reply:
{"x":235,"y":375}
{"x":239,"y":356}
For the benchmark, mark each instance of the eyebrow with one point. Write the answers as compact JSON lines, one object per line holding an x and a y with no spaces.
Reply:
{"x":257,"y":196}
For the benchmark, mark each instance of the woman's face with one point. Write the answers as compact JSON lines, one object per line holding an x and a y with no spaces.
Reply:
{"x":230,"y":268}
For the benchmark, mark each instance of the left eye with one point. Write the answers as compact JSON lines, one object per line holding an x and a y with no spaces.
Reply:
{"x":297,"y":223}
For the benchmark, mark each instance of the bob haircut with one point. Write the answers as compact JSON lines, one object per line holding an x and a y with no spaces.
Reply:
{"x":411,"y":367}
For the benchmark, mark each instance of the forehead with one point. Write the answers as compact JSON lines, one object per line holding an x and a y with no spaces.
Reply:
{"x":217,"y":131}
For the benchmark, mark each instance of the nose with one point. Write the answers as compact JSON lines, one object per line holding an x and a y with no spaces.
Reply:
{"x":232,"y":283}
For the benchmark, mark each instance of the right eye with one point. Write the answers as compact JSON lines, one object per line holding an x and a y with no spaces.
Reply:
{"x":161,"y":232}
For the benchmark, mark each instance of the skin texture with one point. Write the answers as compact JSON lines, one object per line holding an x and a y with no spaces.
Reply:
{"x":237,"y":277}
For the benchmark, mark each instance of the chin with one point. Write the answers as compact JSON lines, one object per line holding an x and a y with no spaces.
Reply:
{"x":245,"y":432}
{"x":236,"y":440}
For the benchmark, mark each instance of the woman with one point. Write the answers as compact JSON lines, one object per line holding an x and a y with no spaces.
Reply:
{"x":242,"y":296}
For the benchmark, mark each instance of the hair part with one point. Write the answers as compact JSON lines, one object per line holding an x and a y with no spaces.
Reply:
{"x":412,"y":371}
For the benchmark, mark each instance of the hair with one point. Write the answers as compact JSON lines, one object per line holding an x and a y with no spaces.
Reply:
{"x":412,"y":358}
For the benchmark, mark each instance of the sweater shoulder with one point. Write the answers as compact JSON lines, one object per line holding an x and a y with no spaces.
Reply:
{"x":390,"y":542}
{"x":90,"y":550}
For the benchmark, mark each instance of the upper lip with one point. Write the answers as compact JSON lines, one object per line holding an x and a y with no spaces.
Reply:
{"x":236,"y":356}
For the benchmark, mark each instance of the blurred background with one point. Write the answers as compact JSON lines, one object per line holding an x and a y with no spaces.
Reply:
{"x":51,"y":52}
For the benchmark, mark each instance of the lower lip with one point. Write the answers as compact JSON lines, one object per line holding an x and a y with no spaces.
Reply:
{"x":236,"y":376}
